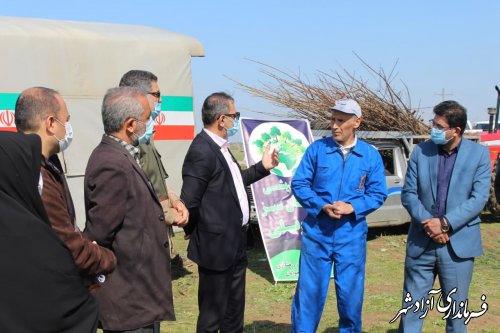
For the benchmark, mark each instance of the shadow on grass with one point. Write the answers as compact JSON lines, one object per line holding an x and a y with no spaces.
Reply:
{"x":489,"y":218}
{"x":374,"y":233}
{"x":257,"y":258}
{"x":263,"y":326}
{"x":178,"y":267}
{"x":336,"y":329}
{"x":179,"y":272}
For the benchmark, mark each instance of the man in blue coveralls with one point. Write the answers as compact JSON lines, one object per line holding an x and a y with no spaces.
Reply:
{"x":339,"y":181}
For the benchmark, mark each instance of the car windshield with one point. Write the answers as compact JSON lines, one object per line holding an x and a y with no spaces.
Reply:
{"x":481,"y":126}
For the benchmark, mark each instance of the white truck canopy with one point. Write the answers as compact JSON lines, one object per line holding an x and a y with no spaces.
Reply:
{"x":82,"y":60}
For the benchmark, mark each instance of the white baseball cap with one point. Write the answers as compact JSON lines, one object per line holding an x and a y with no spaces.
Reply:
{"x":347,"y":105}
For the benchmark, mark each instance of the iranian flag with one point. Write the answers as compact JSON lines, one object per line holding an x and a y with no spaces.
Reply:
{"x":176,"y":119}
{"x":7,"y":106}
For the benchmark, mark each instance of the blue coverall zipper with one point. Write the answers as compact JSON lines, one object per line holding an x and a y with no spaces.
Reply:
{"x":342,"y":173}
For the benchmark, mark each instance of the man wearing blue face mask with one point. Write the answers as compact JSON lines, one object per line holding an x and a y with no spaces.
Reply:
{"x":447,"y":185}
{"x":214,"y":191}
{"x":124,"y":214}
{"x":174,"y":209}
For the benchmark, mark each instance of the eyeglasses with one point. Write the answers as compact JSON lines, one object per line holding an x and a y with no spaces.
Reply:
{"x":60,"y":122}
{"x":156,"y":94}
{"x":439,"y":127}
{"x":232,"y":115}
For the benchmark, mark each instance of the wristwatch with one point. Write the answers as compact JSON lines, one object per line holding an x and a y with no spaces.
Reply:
{"x":444,"y":225}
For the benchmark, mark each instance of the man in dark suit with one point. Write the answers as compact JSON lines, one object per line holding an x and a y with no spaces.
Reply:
{"x":214,"y":193}
{"x":124,"y":214}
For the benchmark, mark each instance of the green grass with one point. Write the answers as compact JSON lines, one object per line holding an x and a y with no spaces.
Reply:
{"x":238,"y":153}
{"x":268,"y":304}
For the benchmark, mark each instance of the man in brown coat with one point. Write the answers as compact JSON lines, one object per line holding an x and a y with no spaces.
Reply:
{"x":124,"y":214}
{"x":174,"y":209}
{"x":42,"y":111}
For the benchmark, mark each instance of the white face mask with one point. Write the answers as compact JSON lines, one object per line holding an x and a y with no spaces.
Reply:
{"x":68,"y":138}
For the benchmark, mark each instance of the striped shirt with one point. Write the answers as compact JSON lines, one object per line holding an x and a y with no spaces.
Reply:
{"x":134,"y":151}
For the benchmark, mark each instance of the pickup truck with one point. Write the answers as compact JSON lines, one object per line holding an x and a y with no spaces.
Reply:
{"x":395,"y":148}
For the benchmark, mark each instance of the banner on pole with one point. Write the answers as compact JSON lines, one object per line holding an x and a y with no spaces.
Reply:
{"x":278,"y":212}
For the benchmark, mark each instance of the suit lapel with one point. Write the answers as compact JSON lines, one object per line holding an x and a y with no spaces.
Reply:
{"x":137,"y":167}
{"x":460,"y":161}
{"x":216,"y":149}
{"x":141,"y":173}
{"x":433,"y":169}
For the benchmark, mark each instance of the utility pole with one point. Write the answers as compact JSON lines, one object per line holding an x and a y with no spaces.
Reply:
{"x":443,"y":94}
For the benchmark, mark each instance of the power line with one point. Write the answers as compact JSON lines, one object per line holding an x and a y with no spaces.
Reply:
{"x":443,"y":94}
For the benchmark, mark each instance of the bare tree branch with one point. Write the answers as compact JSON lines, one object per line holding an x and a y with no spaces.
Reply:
{"x":384,"y":108}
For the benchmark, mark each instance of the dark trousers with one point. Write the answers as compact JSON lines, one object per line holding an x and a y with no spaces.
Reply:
{"x":153,"y":328}
{"x":221,"y":295}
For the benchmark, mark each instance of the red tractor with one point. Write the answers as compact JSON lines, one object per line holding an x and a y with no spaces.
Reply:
{"x":491,"y":139}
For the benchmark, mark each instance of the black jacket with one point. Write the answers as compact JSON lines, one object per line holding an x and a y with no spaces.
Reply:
{"x":215,"y":217}
{"x":40,"y":288}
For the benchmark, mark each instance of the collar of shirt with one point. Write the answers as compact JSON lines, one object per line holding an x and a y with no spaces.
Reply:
{"x":221,"y":142}
{"x":133,"y":151}
{"x":235,"y":173}
{"x":347,"y":149}
{"x":443,"y":152}
{"x":52,"y":166}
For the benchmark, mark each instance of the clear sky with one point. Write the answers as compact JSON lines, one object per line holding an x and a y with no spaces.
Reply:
{"x":449,"y":44}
